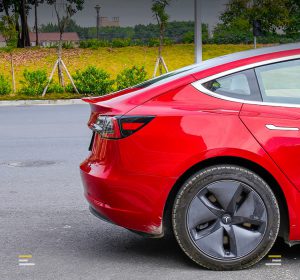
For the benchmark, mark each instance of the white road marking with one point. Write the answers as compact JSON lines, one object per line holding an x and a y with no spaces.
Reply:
{"x":23,"y":260}
{"x":26,"y":264}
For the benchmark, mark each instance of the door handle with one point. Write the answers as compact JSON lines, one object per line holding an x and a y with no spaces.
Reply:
{"x":286,"y":128}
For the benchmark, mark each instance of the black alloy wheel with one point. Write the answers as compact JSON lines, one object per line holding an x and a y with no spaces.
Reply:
{"x":225,"y":218}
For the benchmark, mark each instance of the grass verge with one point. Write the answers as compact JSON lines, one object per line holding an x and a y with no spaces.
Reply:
{"x":112,"y":60}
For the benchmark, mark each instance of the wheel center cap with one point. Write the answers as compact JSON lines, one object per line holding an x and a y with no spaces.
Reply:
{"x":226,"y":219}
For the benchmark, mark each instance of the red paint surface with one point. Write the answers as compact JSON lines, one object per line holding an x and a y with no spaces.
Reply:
{"x":129,"y":180}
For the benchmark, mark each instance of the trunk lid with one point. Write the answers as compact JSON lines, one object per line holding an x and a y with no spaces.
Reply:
{"x":120,"y":103}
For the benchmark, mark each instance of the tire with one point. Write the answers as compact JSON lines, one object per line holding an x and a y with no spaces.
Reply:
{"x":225,"y":218}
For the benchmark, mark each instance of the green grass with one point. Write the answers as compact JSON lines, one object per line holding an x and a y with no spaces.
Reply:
{"x":112,"y":60}
{"x":52,"y":96}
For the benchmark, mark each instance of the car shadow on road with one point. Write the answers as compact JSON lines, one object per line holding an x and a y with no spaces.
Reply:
{"x":110,"y":243}
{"x":121,"y":245}
{"x":85,"y":239}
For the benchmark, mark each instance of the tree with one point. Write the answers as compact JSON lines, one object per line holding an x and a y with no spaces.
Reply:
{"x":237,"y":32}
{"x":20,"y":9}
{"x":36,"y":3}
{"x":23,"y":12}
{"x":292,"y":27}
{"x":263,"y":10}
{"x":159,"y":12}
{"x":64,"y":11}
{"x":189,"y":35}
{"x":5,"y":6}
{"x":8,"y":31}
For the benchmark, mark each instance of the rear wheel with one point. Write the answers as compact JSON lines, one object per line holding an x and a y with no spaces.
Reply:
{"x":225,"y":218}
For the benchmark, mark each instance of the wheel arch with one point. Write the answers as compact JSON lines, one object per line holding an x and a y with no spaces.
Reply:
{"x":241,"y":162}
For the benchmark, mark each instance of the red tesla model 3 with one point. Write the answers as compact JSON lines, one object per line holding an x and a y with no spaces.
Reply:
{"x":210,"y":152}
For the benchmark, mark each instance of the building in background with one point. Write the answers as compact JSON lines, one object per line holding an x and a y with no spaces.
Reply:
{"x":52,"y":39}
{"x":106,"y":22}
{"x":49,"y":39}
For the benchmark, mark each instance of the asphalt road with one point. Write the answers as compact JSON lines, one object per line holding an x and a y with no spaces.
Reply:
{"x":43,"y":212}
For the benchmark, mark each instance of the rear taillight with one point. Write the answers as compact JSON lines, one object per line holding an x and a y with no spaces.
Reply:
{"x":119,"y":127}
{"x":132,"y":124}
{"x":107,"y":127}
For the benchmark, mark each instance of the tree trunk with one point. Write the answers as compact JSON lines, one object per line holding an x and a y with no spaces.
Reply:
{"x":16,"y":8}
{"x":36,"y":24}
{"x":59,"y":66}
{"x":6,"y":10}
{"x":12,"y":72}
{"x":24,"y":40}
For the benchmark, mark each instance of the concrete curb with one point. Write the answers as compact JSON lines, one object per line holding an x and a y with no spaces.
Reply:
{"x":42,"y":102}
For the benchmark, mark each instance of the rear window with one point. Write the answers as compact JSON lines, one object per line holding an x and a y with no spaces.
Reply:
{"x":241,"y":85}
{"x":166,"y":78}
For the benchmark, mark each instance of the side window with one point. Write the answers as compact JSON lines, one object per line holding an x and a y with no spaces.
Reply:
{"x":241,"y":85}
{"x":280,"y":82}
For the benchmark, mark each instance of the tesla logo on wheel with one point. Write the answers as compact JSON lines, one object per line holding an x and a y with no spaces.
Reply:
{"x":226,"y":219}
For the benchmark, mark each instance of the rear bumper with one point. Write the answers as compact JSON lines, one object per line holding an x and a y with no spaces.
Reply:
{"x":133,"y":201}
{"x":99,"y":216}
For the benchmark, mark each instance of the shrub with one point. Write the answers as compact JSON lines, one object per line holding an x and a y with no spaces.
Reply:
{"x":94,"y":44}
{"x":92,"y":81}
{"x":5,"y":87}
{"x":188,"y":37}
{"x":34,"y":82}
{"x":114,"y":43}
{"x":121,"y":43}
{"x":239,"y":31}
{"x":138,"y":42}
{"x":55,"y":88}
{"x":130,"y":77}
{"x":154,"y":42}
{"x":51,"y":45}
{"x":68,"y":45}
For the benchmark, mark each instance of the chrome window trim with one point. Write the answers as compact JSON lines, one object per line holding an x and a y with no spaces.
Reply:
{"x":199,"y":84}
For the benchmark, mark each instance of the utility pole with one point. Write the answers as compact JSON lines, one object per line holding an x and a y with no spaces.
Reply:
{"x":198,"y":31}
{"x":36,"y":23}
{"x":97,"y":8}
{"x":254,"y":32}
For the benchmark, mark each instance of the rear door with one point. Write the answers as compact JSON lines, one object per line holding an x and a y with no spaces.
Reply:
{"x":276,"y":123}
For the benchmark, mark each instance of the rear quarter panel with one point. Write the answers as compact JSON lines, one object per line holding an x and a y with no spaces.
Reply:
{"x":189,"y":128}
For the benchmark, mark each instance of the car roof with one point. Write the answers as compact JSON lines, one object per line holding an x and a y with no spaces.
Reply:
{"x":207,"y":64}
{"x":243,"y":55}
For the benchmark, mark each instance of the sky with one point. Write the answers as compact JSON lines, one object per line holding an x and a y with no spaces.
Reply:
{"x":132,"y":12}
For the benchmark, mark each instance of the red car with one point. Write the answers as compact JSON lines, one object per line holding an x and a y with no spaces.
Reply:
{"x":210,"y":152}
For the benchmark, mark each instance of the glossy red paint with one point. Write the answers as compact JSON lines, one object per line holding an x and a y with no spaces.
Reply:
{"x":129,"y":180}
